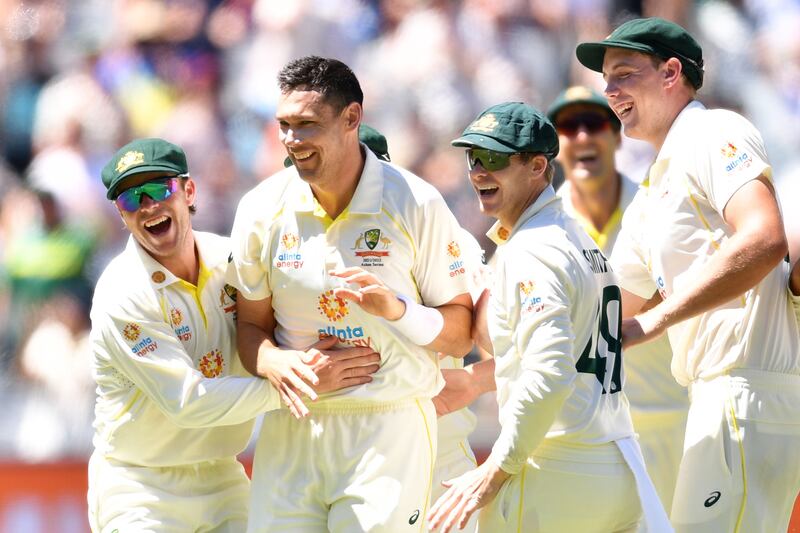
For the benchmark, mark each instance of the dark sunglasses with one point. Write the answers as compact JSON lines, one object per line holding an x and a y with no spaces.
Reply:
{"x":158,"y":189}
{"x":488,"y":159}
{"x":593,"y":122}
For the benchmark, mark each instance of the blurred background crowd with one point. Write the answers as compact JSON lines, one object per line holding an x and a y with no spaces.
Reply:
{"x":79,"y":78}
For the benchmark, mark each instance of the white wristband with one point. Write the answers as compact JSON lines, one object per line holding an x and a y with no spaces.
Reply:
{"x":420,"y":324}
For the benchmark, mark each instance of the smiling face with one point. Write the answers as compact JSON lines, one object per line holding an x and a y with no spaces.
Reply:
{"x":162,"y":228}
{"x":636,"y":88}
{"x":588,"y":143}
{"x":314,"y":134}
{"x":505,"y":194}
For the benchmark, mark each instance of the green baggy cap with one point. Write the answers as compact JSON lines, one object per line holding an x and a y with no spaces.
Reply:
{"x":368,"y":135}
{"x":654,"y":36}
{"x":142,"y":155}
{"x":578,"y":94}
{"x":511,"y":127}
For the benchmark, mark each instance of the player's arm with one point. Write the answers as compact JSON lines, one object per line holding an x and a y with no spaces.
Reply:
{"x":146,"y":351}
{"x":462,"y":386}
{"x":543,"y":340}
{"x":445,"y":328}
{"x":757,"y":245}
{"x":794,"y":279}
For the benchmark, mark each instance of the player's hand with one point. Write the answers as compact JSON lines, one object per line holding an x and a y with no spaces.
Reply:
{"x":641,"y":328}
{"x":480,"y":329}
{"x":339,"y":367}
{"x":290,"y":373}
{"x":459,"y":391}
{"x":466,"y":494}
{"x":371,"y":293}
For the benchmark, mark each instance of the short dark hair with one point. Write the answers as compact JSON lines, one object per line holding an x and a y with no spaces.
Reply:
{"x":330,"y":77}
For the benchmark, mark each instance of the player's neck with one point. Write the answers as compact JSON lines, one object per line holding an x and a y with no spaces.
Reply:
{"x":185,"y":264}
{"x":335,"y":194}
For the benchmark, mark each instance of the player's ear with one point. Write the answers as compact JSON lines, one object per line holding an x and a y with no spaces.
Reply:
{"x":671,"y":71}
{"x":190,"y":190}
{"x":352,"y":115}
{"x":538,"y":165}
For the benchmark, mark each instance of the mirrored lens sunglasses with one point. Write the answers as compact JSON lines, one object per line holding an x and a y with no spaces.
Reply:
{"x":593,"y":122}
{"x":159,"y":190}
{"x":488,"y":159}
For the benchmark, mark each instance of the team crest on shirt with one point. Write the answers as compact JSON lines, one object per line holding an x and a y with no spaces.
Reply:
{"x":289,"y":258}
{"x":132,"y":332}
{"x":661,"y":287}
{"x":457,"y":266}
{"x":227,"y":299}
{"x":529,"y":302}
{"x":372,"y":246}
{"x":211,"y":364}
{"x":735,"y":160}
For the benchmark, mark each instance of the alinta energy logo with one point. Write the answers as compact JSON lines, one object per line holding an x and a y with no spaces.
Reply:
{"x":457,"y":266}
{"x":735,"y":160}
{"x":287,"y":257}
{"x":211,"y":364}
{"x":183,"y":332}
{"x":131,"y":332}
{"x":372,"y":246}
{"x":334,"y":309}
{"x":529,"y":302}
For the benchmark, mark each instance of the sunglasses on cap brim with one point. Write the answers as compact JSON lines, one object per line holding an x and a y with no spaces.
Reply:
{"x":158,"y":190}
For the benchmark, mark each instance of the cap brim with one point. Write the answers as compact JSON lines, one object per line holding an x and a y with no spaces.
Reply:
{"x":471,"y":140}
{"x":112,"y":189}
{"x":591,"y":55}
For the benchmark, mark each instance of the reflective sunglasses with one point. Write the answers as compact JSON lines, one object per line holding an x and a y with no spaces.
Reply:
{"x":488,"y":159}
{"x":593,"y":122}
{"x":158,"y":189}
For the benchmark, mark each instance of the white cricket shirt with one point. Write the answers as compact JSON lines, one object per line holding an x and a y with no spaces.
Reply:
{"x":675,"y":225}
{"x":649,"y":384}
{"x":169,"y":390}
{"x":554,"y":321}
{"x":396,"y":226}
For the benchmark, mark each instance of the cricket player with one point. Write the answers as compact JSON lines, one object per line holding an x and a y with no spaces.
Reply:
{"x":566,"y":459}
{"x":700,"y":257}
{"x":344,"y":244}
{"x":174,"y":405}
{"x":596,"y":194}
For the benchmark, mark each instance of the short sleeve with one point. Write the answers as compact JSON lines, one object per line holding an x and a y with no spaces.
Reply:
{"x":247,"y":269}
{"x":441,"y":269}
{"x":732,"y":154}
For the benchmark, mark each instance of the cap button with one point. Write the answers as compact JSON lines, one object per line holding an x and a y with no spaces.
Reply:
{"x":158,"y":276}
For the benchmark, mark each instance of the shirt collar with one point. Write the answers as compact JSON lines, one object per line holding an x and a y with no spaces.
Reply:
{"x":160,"y":276}
{"x":500,"y":235}
{"x":674,"y":134}
{"x":367,"y":198}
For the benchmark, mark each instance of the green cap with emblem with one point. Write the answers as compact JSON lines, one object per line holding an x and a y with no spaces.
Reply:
{"x":142,"y":155}
{"x":654,"y":36}
{"x":578,"y":94}
{"x":368,"y":135}
{"x":510,"y":128}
